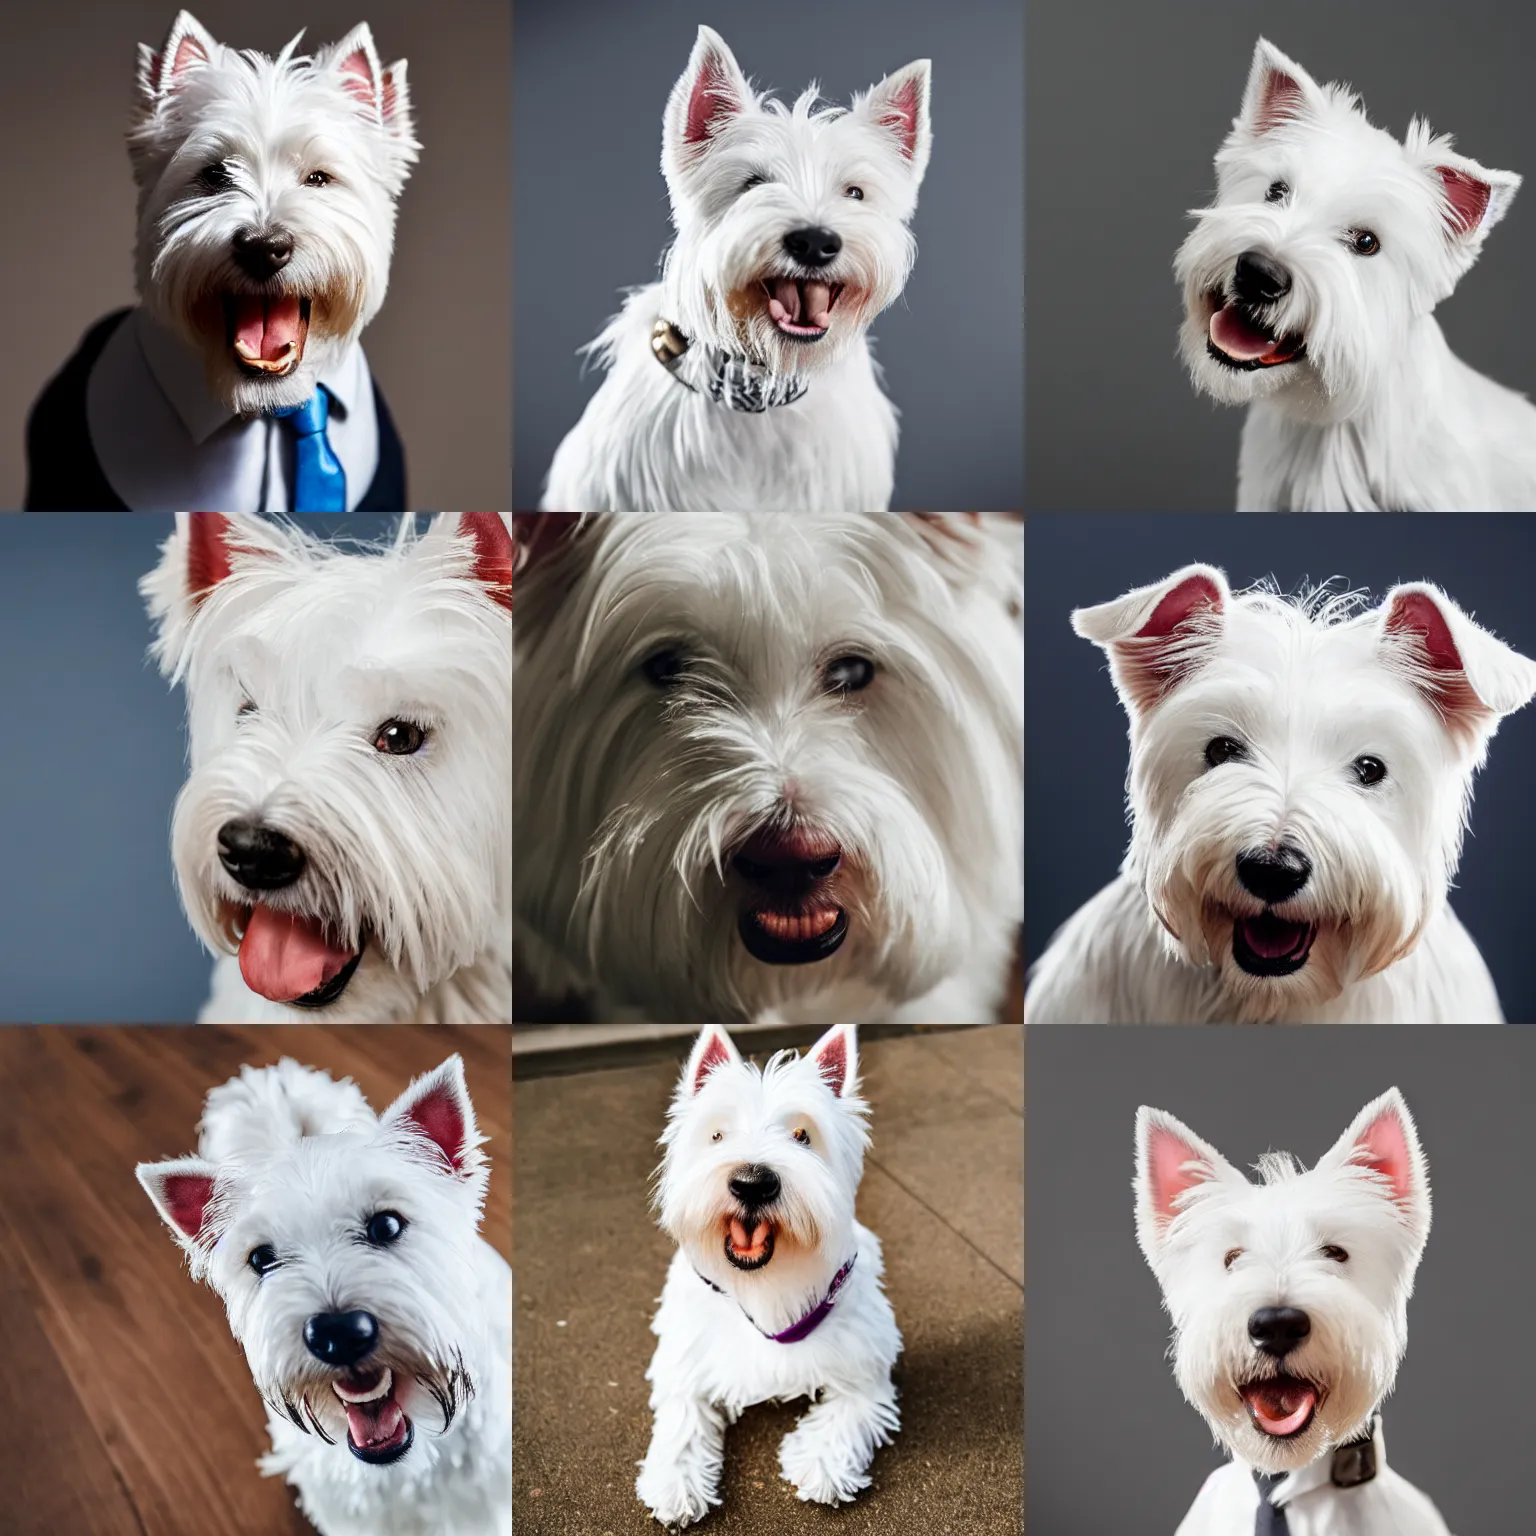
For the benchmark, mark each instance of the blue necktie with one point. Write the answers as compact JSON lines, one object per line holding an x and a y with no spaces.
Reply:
{"x":319,"y":481}
{"x":1270,"y":1519}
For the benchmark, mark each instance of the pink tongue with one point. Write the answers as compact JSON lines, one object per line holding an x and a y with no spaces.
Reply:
{"x":374,"y":1423}
{"x":1272,"y":937}
{"x":283,"y":956}
{"x":1281,"y":1410}
{"x":1237,"y":338}
{"x":266,"y":325}
{"x":818,"y":304}
{"x":784,"y":300}
{"x":745,"y":1242}
{"x":784,"y":303}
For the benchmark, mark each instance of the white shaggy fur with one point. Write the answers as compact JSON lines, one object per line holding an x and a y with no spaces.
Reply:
{"x":742,"y":172}
{"x":1376,"y":413}
{"x":802,"y":1119}
{"x":1337,"y":1244}
{"x":633,"y":798}
{"x":226,"y":143}
{"x":295,"y":1163}
{"x":1314,"y":694}
{"x":295,"y":655}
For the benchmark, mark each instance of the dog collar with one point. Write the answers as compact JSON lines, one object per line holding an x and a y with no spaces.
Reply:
{"x":737,"y":383}
{"x":1352,"y":1464}
{"x":812,"y":1319}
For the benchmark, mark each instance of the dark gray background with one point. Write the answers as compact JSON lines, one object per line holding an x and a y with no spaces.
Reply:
{"x":1075,"y":731}
{"x":92,"y":758}
{"x":1127,"y":105}
{"x":590,"y":82}
{"x":1112,"y":1445}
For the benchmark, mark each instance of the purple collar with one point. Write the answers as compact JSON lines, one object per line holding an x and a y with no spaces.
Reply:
{"x":812,"y":1319}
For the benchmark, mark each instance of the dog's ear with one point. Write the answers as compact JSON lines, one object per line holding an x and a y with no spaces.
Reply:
{"x":1472,"y":198}
{"x":1170,"y":1162}
{"x":436,"y":1107}
{"x":899,"y":105}
{"x":1156,"y":636}
{"x":1279,"y":91}
{"x":714,"y":1048}
{"x":355,"y":61}
{"x":1384,"y":1140}
{"x":708,"y":94}
{"x":188,"y":45}
{"x":489,"y":535}
{"x":180,"y":1190}
{"x":1471,"y":677}
{"x":836,"y":1056}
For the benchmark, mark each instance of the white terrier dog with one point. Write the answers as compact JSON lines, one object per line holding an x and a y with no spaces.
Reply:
{"x":1300,"y":781}
{"x":346,"y":827}
{"x":1289,"y":1301}
{"x":1309,"y":290}
{"x":346,"y":1250}
{"x":774,"y":1292}
{"x":744,"y":380}
{"x":771,"y":766}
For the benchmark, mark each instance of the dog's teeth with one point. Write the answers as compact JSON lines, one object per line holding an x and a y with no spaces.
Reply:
{"x":374,"y":1393}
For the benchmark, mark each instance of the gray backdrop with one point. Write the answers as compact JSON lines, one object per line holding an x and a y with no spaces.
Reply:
{"x":1113,"y":1447}
{"x":590,"y":82}
{"x":1127,"y":104}
{"x":438,"y":348}
{"x":1075,"y":731}
{"x":90,"y":763}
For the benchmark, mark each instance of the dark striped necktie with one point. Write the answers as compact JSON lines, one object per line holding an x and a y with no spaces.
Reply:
{"x":1269,"y":1521}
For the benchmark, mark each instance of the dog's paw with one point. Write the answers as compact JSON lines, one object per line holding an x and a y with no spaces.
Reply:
{"x":673,"y":1497}
{"x":821,"y":1474}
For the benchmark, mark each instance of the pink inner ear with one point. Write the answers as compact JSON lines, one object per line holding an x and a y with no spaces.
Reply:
{"x":186,"y":1196}
{"x":832,"y":1062}
{"x":207,"y":552}
{"x":1150,"y":670}
{"x":389,"y":95}
{"x":1419,"y":614}
{"x":493,"y":553}
{"x":715,"y":1055}
{"x":357,"y":77}
{"x":439,"y":1115}
{"x":1385,"y":1146}
{"x":1180,"y":605}
{"x":1467,"y":196}
{"x":1167,"y":1154}
{"x":1280,"y":101}
{"x":713,"y":97}
{"x":901,"y":114}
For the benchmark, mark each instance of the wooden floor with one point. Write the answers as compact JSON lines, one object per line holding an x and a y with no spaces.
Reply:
{"x":125,"y":1405}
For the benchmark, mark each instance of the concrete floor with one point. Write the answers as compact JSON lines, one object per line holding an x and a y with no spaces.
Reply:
{"x":943,"y":1187}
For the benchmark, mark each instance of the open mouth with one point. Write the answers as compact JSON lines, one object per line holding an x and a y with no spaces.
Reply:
{"x":1267,"y":945}
{"x":1280,"y":1406}
{"x":1239,"y":339}
{"x":289,"y":958}
{"x":266,"y":332}
{"x":801,"y":307}
{"x":797,"y":937}
{"x":749,"y":1247}
{"x":378,"y":1431}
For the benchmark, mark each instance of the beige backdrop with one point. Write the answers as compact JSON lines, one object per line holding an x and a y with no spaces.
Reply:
{"x":441,"y":348}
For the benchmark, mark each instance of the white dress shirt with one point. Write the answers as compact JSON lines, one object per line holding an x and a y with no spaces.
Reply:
{"x":166,"y":444}
{"x":1388,"y":1505}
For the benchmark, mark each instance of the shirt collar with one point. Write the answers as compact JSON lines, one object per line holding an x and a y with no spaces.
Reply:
{"x":178,"y":369}
{"x":1318,"y":1473}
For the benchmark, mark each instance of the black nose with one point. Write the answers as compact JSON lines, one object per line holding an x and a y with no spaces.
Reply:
{"x":260,"y":253}
{"x":258,"y":857}
{"x":1260,"y":279}
{"x":784,"y":875}
{"x":755,"y":1186}
{"x":813,"y":246}
{"x":341,"y":1338}
{"x":1279,"y":1330}
{"x":1274,"y":874}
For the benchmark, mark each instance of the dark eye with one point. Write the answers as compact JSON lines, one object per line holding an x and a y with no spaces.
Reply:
{"x":215,"y":177}
{"x":1369,"y":770}
{"x":399,"y":738}
{"x":1278,"y":192}
{"x":856,"y":193}
{"x":718,"y":1136}
{"x":664,"y":669}
{"x":1334,"y":1252}
{"x":318,"y":179}
{"x":1362,"y":242}
{"x":1232,"y":1256}
{"x":756,"y":179}
{"x":1222,"y":749}
{"x":247,"y":708}
{"x":802,"y":1135}
{"x":384,"y":1228}
{"x":848,"y":674}
{"x":263,"y":1258}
